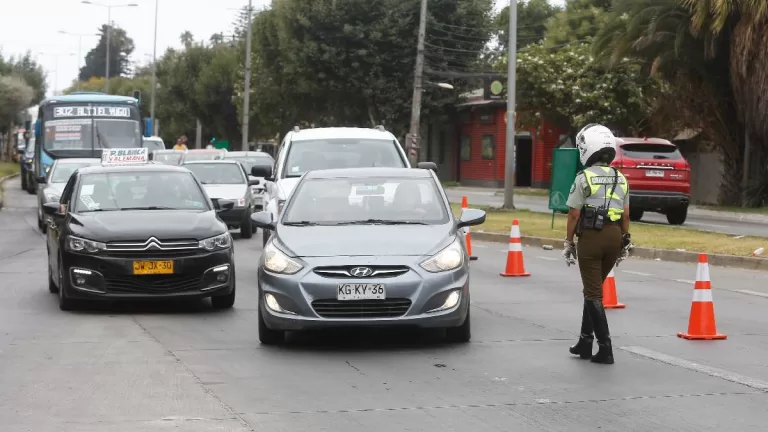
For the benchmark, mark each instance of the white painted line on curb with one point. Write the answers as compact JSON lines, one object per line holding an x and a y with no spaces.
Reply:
{"x":750,"y":292}
{"x":685,"y":281}
{"x":635,"y":273}
{"x":707,"y":370}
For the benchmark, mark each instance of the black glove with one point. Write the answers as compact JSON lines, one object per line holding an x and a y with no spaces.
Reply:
{"x":626,"y":240}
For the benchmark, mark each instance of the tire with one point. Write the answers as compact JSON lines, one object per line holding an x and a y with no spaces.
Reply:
{"x":677,"y":215}
{"x":268,"y":336}
{"x":460,"y":334}
{"x":224,"y":301}
{"x":635,"y":214}
{"x":41,"y":225}
{"x":52,"y":288}
{"x":246,"y":227}
{"x":65,"y":303}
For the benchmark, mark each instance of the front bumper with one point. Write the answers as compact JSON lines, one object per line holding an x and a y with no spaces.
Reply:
{"x":312,"y":298}
{"x":111,"y":277}
{"x":654,"y":200}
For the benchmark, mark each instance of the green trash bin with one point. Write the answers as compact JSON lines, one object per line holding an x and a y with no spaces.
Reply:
{"x":565,"y":166}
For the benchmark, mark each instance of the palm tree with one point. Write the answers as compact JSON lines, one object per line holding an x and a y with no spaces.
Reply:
{"x":187,"y":39}
{"x":217,"y":38}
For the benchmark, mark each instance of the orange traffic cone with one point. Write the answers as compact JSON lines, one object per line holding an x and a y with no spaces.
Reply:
{"x":610,"y":301}
{"x":467,"y":234}
{"x":515,"y":265}
{"x":701,"y":325}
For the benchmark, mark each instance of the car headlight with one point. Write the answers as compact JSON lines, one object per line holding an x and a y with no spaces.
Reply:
{"x":278,"y":262}
{"x":222,"y":241}
{"x":77,"y":244}
{"x":51,"y":197}
{"x":452,"y":257}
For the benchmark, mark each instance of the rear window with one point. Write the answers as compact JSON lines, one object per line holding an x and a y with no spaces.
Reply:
{"x":650,"y":151}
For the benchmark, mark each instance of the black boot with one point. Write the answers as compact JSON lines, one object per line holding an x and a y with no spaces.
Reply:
{"x":583,"y":347}
{"x":600,"y":322}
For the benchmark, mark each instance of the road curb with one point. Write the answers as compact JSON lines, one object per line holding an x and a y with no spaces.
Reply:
{"x":2,"y":181}
{"x":749,"y":263}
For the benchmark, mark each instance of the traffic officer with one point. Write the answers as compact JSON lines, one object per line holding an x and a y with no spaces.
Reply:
{"x":599,"y":216}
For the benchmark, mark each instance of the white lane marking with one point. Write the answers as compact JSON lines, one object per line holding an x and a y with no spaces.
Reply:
{"x":754,"y":293}
{"x":635,"y":273}
{"x":479,"y":246}
{"x":711,"y":371}
{"x":549,"y":258}
{"x":685,"y":281}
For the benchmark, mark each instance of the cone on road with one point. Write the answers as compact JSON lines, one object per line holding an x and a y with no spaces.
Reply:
{"x":467,"y":234}
{"x":610,"y":301}
{"x":701,"y":324}
{"x":515,"y":265}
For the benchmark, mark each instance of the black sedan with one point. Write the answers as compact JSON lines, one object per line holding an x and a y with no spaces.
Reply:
{"x":138,"y":232}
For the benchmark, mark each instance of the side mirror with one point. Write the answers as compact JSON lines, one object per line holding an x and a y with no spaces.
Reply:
{"x":41,"y":179}
{"x":427,"y":165}
{"x":471,"y":217}
{"x":222,"y":205}
{"x":51,"y":208}
{"x":253,"y":181}
{"x":263,"y":219}
{"x":261,"y":171}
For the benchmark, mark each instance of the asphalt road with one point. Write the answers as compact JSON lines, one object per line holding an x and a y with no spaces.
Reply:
{"x":708,"y":222}
{"x":182,"y":367}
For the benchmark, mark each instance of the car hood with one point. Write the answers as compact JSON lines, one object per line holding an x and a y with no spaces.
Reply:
{"x":364,"y":240}
{"x":286,"y":186}
{"x":139,"y":225}
{"x":226,"y":191}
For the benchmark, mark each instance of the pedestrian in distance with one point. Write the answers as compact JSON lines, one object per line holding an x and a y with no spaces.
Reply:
{"x":599,"y":216}
{"x":181,"y":143}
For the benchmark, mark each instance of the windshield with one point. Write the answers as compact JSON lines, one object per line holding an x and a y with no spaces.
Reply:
{"x":374,"y":200}
{"x":139,"y":191}
{"x":217,"y":173}
{"x":305,"y":156}
{"x":651,"y":151}
{"x":61,"y":172}
{"x":87,"y":127}
{"x":201,"y":156}
{"x":168,"y":158}
{"x":251,"y":161}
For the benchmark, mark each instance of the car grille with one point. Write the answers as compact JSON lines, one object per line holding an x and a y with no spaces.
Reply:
{"x":155,"y":284}
{"x":389,"y":308}
{"x":153,"y":247}
{"x":344,"y":272}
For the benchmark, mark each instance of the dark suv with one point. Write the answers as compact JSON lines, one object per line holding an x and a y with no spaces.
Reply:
{"x":658,"y":176}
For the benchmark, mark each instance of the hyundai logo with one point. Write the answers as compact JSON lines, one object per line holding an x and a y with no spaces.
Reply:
{"x":361,"y":272}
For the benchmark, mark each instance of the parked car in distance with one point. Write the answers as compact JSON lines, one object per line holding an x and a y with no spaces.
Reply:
{"x":167,"y":157}
{"x":204,"y":154}
{"x":153,"y":143}
{"x":658,"y":175}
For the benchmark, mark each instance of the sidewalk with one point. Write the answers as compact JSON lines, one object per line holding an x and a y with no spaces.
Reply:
{"x":541,"y":203}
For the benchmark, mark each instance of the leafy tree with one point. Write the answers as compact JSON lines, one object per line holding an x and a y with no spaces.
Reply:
{"x":566,"y":87}
{"x":120,"y":49}
{"x":241,"y":22}
{"x":532,"y":17}
{"x":15,"y":95}
{"x":29,"y":70}
{"x":187,"y":39}
{"x":579,"y":21}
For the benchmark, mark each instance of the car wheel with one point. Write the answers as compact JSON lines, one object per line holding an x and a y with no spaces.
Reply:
{"x":51,"y":284}
{"x":224,"y":301}
{"x":24,"y":181}
{"x":635,"y":214}
{"x":267,"y":336}
{"x":65,"y":303}
{"x":246,"y":227}
{"x":460,"y":334}
{"x":677,"y":215}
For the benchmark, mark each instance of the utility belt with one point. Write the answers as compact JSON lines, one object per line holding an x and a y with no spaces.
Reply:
{"x":594,"y":218}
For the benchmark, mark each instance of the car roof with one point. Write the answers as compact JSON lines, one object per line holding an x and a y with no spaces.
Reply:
{"x":77,"y":160}
{"x":247,"y":153}
{"x":362,"y":173}
{"x":635,"y":140}
{"x":151,"y":167}
{"x":340,"y":133}
{"x":205,"y":150}
{"x":216,"y":161}
{"x":89,"y":97}
{"x":168,"y":151}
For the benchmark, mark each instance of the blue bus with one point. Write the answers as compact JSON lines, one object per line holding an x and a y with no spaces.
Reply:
{"x":81,"y":125}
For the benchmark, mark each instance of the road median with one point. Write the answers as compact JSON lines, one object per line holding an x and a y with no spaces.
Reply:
{"x":664,"y":242}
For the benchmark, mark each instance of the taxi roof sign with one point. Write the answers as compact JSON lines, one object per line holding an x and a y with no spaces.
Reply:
{"x":125,"y":156}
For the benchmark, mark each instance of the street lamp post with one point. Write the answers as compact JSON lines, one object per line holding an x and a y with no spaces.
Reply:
{"x":154,"y":77}
{"x":109,"y":31}
{"x":413,"y":138}
{"x":247,"y":84}
{"x":509,"y":160}
{"x":79,"y":37}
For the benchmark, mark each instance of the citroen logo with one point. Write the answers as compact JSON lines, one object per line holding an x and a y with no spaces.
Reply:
{"x":361,"y":272}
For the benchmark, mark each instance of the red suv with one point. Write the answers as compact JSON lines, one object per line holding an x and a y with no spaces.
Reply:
{"x":658,"y":176}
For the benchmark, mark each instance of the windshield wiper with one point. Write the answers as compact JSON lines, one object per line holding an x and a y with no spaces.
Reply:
{"x":381,"y":222}
{"x":149,"y":208}
{"x":97,"y":210}
{"x":301,"y":223}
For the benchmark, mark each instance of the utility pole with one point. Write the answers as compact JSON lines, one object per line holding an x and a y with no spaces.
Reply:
{"x":247,"y":86}
{"x":414,"y":138}
{"x":153,"y":132}
{"x":509,"y":160}
{"x":109,"y":32}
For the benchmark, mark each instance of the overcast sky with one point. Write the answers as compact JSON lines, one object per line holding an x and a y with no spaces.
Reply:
{"x":34,"y":25}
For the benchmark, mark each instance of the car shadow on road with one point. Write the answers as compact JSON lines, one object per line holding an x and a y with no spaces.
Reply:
{"x":351,"y":339}
{"x":149,"y":307}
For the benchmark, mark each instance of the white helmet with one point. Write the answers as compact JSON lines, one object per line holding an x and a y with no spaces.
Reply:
{"x":595,"y":142}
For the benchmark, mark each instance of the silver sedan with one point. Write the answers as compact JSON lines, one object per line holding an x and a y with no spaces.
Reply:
{"x":335,"y":261}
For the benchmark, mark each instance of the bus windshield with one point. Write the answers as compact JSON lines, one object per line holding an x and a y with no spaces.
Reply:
{"x":90,"y":128}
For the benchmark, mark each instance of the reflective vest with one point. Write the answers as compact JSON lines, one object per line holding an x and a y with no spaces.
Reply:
{"x":601,"y":180}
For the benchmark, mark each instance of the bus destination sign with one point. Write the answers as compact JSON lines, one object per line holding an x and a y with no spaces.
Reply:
{"x":91,"y":111}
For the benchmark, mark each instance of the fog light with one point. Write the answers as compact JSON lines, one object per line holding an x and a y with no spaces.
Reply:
{"x":450,"y":302}
{"x":222,"y":277}
{"x":80,"y":280}
{"x":274,"y":305}
{"x":87,"y":280}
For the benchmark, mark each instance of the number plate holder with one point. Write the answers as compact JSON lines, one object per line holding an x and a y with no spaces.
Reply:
{"x":361,"y":291}
{"x":153,"y":267}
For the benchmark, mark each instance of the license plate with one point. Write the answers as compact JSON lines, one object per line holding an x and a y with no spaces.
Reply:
{"x":355,"y":291}
{"x":152,"y":267}
{"x":654,"y":173}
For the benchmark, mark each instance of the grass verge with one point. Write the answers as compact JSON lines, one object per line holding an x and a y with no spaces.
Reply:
{"x":8,"y":168}
{"x":734,"y":209}
{"x":643,"y":235}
